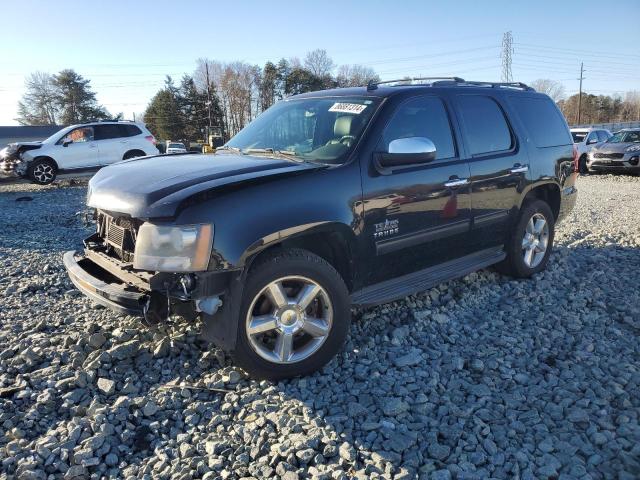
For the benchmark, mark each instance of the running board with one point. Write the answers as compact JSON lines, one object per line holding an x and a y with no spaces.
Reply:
{"x":400,"y":287}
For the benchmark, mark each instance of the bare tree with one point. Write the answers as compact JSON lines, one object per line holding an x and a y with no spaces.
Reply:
{"x":38,"y":105}
{"x":319,"y":63}
{"x":355,"y":75}
{"x":552,"y":88}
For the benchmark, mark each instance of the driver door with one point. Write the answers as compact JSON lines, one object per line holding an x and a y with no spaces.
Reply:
{"x":77,"y":149}
{"x":418,"y":216}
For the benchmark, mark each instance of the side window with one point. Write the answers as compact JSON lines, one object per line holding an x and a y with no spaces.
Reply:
{"x":593,"y":137}
{"x":422,"y":117}
{"x":543,"y":121}
{"x":108,"y":131}
{"x":129,"y":130}
{"x":603,"y":136}
{"x":485,"y":125}
{"x":78,"y":135}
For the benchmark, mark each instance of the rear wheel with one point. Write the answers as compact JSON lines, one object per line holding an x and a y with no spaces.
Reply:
{"x":133,"y":154}
{"x":295,"y":316}
{"x":42,"y":171}
{"x":531,"y":240}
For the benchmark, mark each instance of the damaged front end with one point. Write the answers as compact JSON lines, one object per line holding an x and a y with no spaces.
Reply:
{"x":106,"y":272}
{"x":12,"y":163}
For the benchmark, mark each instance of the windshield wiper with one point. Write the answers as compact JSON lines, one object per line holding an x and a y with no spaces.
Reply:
{"x":227,"y":147}
{"x":272,"y":152}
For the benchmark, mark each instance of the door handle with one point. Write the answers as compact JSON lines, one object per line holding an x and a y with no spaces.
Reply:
{"x":93,"y":146}
{"x":456,"y":182}
{"x":519,"y":169}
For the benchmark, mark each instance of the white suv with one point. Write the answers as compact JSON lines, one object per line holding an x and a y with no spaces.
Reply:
{"x":76,"y":148}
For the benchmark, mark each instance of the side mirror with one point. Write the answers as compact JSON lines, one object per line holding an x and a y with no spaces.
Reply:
{"x":404,"y":153}
{"x":592,"y":141}
{"x":67,"y":143}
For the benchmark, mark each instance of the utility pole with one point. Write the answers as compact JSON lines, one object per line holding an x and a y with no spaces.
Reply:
{"x":506,"y":54}
{"x":580,"y":92}
{"x":206,"y":67}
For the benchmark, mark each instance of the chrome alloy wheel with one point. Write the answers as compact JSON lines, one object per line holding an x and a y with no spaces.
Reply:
{"x":289,"y":320}
{"x":43,"y":172}
{"x":535,"y":240}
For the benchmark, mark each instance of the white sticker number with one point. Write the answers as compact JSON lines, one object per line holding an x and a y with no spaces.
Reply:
{"x":354,"y":108}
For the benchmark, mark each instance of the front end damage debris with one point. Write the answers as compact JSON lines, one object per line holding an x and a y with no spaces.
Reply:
{"x":105,"y":273}
{"x":11,"y":161}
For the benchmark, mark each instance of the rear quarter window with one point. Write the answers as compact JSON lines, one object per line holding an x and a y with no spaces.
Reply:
{"x":129,"y":130}
{"x":543,"y":121}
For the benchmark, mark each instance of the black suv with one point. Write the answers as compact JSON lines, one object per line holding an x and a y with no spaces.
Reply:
{"x":329,"y":199}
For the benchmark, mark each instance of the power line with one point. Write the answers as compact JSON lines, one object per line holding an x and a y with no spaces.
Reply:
{"x":590,"y":53}
{"x":507,"y":52}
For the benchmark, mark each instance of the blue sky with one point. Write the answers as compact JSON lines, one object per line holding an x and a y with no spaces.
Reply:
{"x":127,"y":47}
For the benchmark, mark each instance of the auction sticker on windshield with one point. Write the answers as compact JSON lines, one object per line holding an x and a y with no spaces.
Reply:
{"x":355,"y":108}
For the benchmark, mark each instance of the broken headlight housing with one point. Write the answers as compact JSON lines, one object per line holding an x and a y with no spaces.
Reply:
{"x":185,"y":248}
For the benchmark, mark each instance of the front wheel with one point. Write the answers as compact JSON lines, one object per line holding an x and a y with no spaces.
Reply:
{"x":294,"y":318}
{"x":531,"y":240}
{"x":582,"y":165}
{"x":42,"y":171}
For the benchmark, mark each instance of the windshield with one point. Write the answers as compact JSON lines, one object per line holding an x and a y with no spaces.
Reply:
{"x":625,"y":137}
{"x":321,"y":129}
{"x":176,"y":145}
{"x":578,"y":137}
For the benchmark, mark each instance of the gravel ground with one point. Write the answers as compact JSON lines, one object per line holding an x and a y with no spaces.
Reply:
{"x":478,"y":378}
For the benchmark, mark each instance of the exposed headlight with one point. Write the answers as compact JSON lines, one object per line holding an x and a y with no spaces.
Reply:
{"x":633,"y":148}
{"x":186,"y":248}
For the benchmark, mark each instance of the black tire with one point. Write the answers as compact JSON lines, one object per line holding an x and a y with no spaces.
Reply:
{"x":133,"y":154}
{"x":582,"y":165}
{"x":514,"y":264}
{"x":42,"y":171}
{"x":302,"y":263}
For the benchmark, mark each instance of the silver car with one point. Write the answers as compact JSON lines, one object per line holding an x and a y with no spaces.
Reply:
{"x":585,"y":139}
{"x":621,"y":153}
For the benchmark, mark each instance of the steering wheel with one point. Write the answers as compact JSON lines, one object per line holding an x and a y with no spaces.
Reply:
{"x":346,"y":138}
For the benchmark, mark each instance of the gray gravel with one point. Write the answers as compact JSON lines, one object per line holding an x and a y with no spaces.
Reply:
{"x":478,"y":378}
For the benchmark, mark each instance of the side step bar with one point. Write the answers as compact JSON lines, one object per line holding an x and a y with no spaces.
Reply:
{"x":400,"y":287}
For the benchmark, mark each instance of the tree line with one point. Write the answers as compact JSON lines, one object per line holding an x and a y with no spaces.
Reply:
{"x":61,"y":99}
{"x":227,"y":96}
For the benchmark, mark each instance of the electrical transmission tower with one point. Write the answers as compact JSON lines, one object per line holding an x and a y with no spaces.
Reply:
{"x":506,"y":54}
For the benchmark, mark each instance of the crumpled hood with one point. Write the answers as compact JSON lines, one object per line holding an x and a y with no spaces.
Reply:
{"x":155,"y":186}
{"x":12,"y":149}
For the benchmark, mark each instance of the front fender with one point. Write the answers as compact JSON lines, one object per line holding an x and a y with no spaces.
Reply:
{"x":255,"y":217}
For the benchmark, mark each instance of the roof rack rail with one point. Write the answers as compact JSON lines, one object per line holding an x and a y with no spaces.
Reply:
{"x":520,"y":85}
{"x":456,"y":80}
{"x":373,"y":85}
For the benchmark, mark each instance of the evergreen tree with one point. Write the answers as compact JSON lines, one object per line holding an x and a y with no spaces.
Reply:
{"x":268,"y":85}
{"x":75,"y":99}
{"x":163,"y":116}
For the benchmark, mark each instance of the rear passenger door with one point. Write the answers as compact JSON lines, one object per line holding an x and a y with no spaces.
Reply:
{"x":419,"y":216}
{"x":498,"y":166}
{"x":109,"y":140}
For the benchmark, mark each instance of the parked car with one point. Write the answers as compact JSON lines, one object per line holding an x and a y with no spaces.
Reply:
{"x":77,"y":148}
{"x":585,"y":139}
{"x":620,"y":153}
{"x":176,"y":147}
{"x":329,"y":199}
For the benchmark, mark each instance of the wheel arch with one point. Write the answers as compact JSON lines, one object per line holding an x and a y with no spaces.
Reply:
{"x":45,"y":157}
{"x":332,"y":241}
{"x":548,"y":192}
{"x":134,"y":150}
